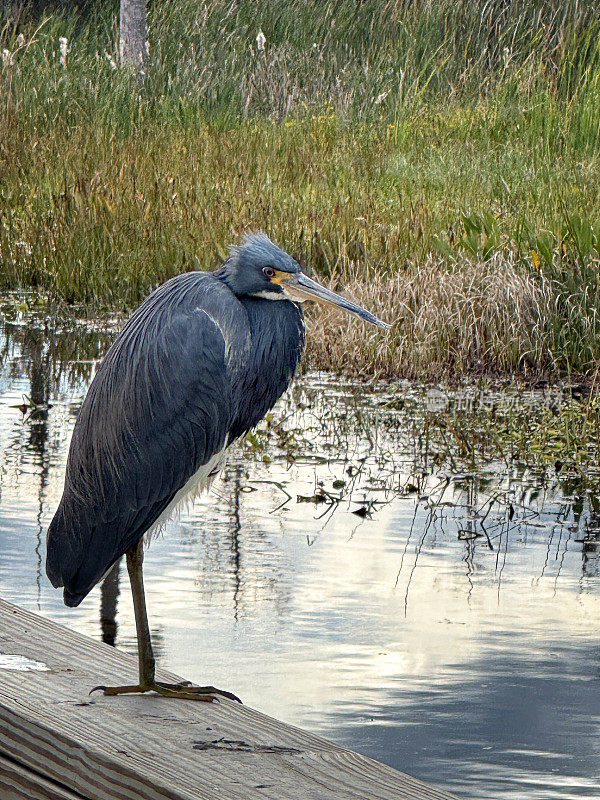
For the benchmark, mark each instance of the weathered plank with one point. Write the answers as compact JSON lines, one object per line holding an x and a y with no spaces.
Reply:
{"x":18,"y":783}
{"x":132,"y":747}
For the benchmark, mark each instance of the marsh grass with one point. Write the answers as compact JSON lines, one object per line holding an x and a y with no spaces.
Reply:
{"x":446,"y":321}
{"x":440,"y":158}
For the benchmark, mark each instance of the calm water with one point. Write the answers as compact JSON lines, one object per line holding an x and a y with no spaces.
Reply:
{"x":450,"y":628}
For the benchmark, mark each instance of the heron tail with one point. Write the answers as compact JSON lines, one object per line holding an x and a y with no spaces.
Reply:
{"x":66,"y":560}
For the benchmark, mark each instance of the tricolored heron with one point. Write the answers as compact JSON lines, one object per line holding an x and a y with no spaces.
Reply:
{"x":197,"y":365}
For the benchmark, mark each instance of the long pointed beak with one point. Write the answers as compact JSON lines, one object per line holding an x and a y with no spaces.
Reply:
{"x":300,"y":287}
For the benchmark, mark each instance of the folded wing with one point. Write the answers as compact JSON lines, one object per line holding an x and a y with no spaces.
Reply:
{"x":158,"y":409}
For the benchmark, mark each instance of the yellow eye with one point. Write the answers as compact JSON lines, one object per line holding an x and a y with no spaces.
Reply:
{"x":269,"y":272}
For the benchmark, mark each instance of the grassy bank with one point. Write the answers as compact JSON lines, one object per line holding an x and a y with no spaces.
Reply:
{"x":440,"y":159}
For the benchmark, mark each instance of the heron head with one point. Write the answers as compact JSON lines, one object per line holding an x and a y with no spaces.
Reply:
{"x":258,"y":268}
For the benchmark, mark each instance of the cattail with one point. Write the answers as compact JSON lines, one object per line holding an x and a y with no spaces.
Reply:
{"x":7,"y":59}
{"x":20,"y":40}
{"x":64,"y":49}
{"x":261,"y":40}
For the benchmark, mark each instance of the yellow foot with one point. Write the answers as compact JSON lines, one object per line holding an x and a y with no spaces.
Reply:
{"x":182,"y":691}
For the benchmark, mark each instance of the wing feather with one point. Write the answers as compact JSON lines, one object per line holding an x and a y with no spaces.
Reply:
{"x":160,"y":407}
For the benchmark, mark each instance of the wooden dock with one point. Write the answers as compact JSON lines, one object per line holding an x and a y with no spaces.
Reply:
{"x":58,"y":743}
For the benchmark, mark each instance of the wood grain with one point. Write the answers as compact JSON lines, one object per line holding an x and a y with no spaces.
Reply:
{"x":18,"y":783}
{"x":133,"y":747}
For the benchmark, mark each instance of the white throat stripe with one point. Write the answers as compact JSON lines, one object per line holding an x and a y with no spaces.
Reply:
{"x":267,"y":295}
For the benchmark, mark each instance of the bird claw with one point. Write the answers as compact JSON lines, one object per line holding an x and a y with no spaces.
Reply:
{"x":181,"y":691}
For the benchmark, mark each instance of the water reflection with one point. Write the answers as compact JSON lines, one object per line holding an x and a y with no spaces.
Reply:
{"x":109,"y":598}
{"x":340,"y":577}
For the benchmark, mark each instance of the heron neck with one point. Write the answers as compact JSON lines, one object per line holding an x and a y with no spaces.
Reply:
{"x":277,"y":338}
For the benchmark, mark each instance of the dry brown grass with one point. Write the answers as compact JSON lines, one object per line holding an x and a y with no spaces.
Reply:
{"x":447,"y":321}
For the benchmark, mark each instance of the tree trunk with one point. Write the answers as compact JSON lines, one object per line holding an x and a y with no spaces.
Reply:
{"x":133,"y":33}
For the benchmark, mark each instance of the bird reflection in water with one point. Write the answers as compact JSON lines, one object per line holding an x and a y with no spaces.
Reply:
{"x":109,"y":599}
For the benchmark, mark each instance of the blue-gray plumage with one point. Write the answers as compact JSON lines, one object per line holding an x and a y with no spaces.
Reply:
{"x":198,"y":364}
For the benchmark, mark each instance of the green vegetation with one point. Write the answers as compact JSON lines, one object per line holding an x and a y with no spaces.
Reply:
{"x":442,"y":158}
{"x":564,"y":437}
{"x":480,"y":432}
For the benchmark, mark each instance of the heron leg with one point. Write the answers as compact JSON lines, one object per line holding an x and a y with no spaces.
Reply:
{"x":147,"y":664}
